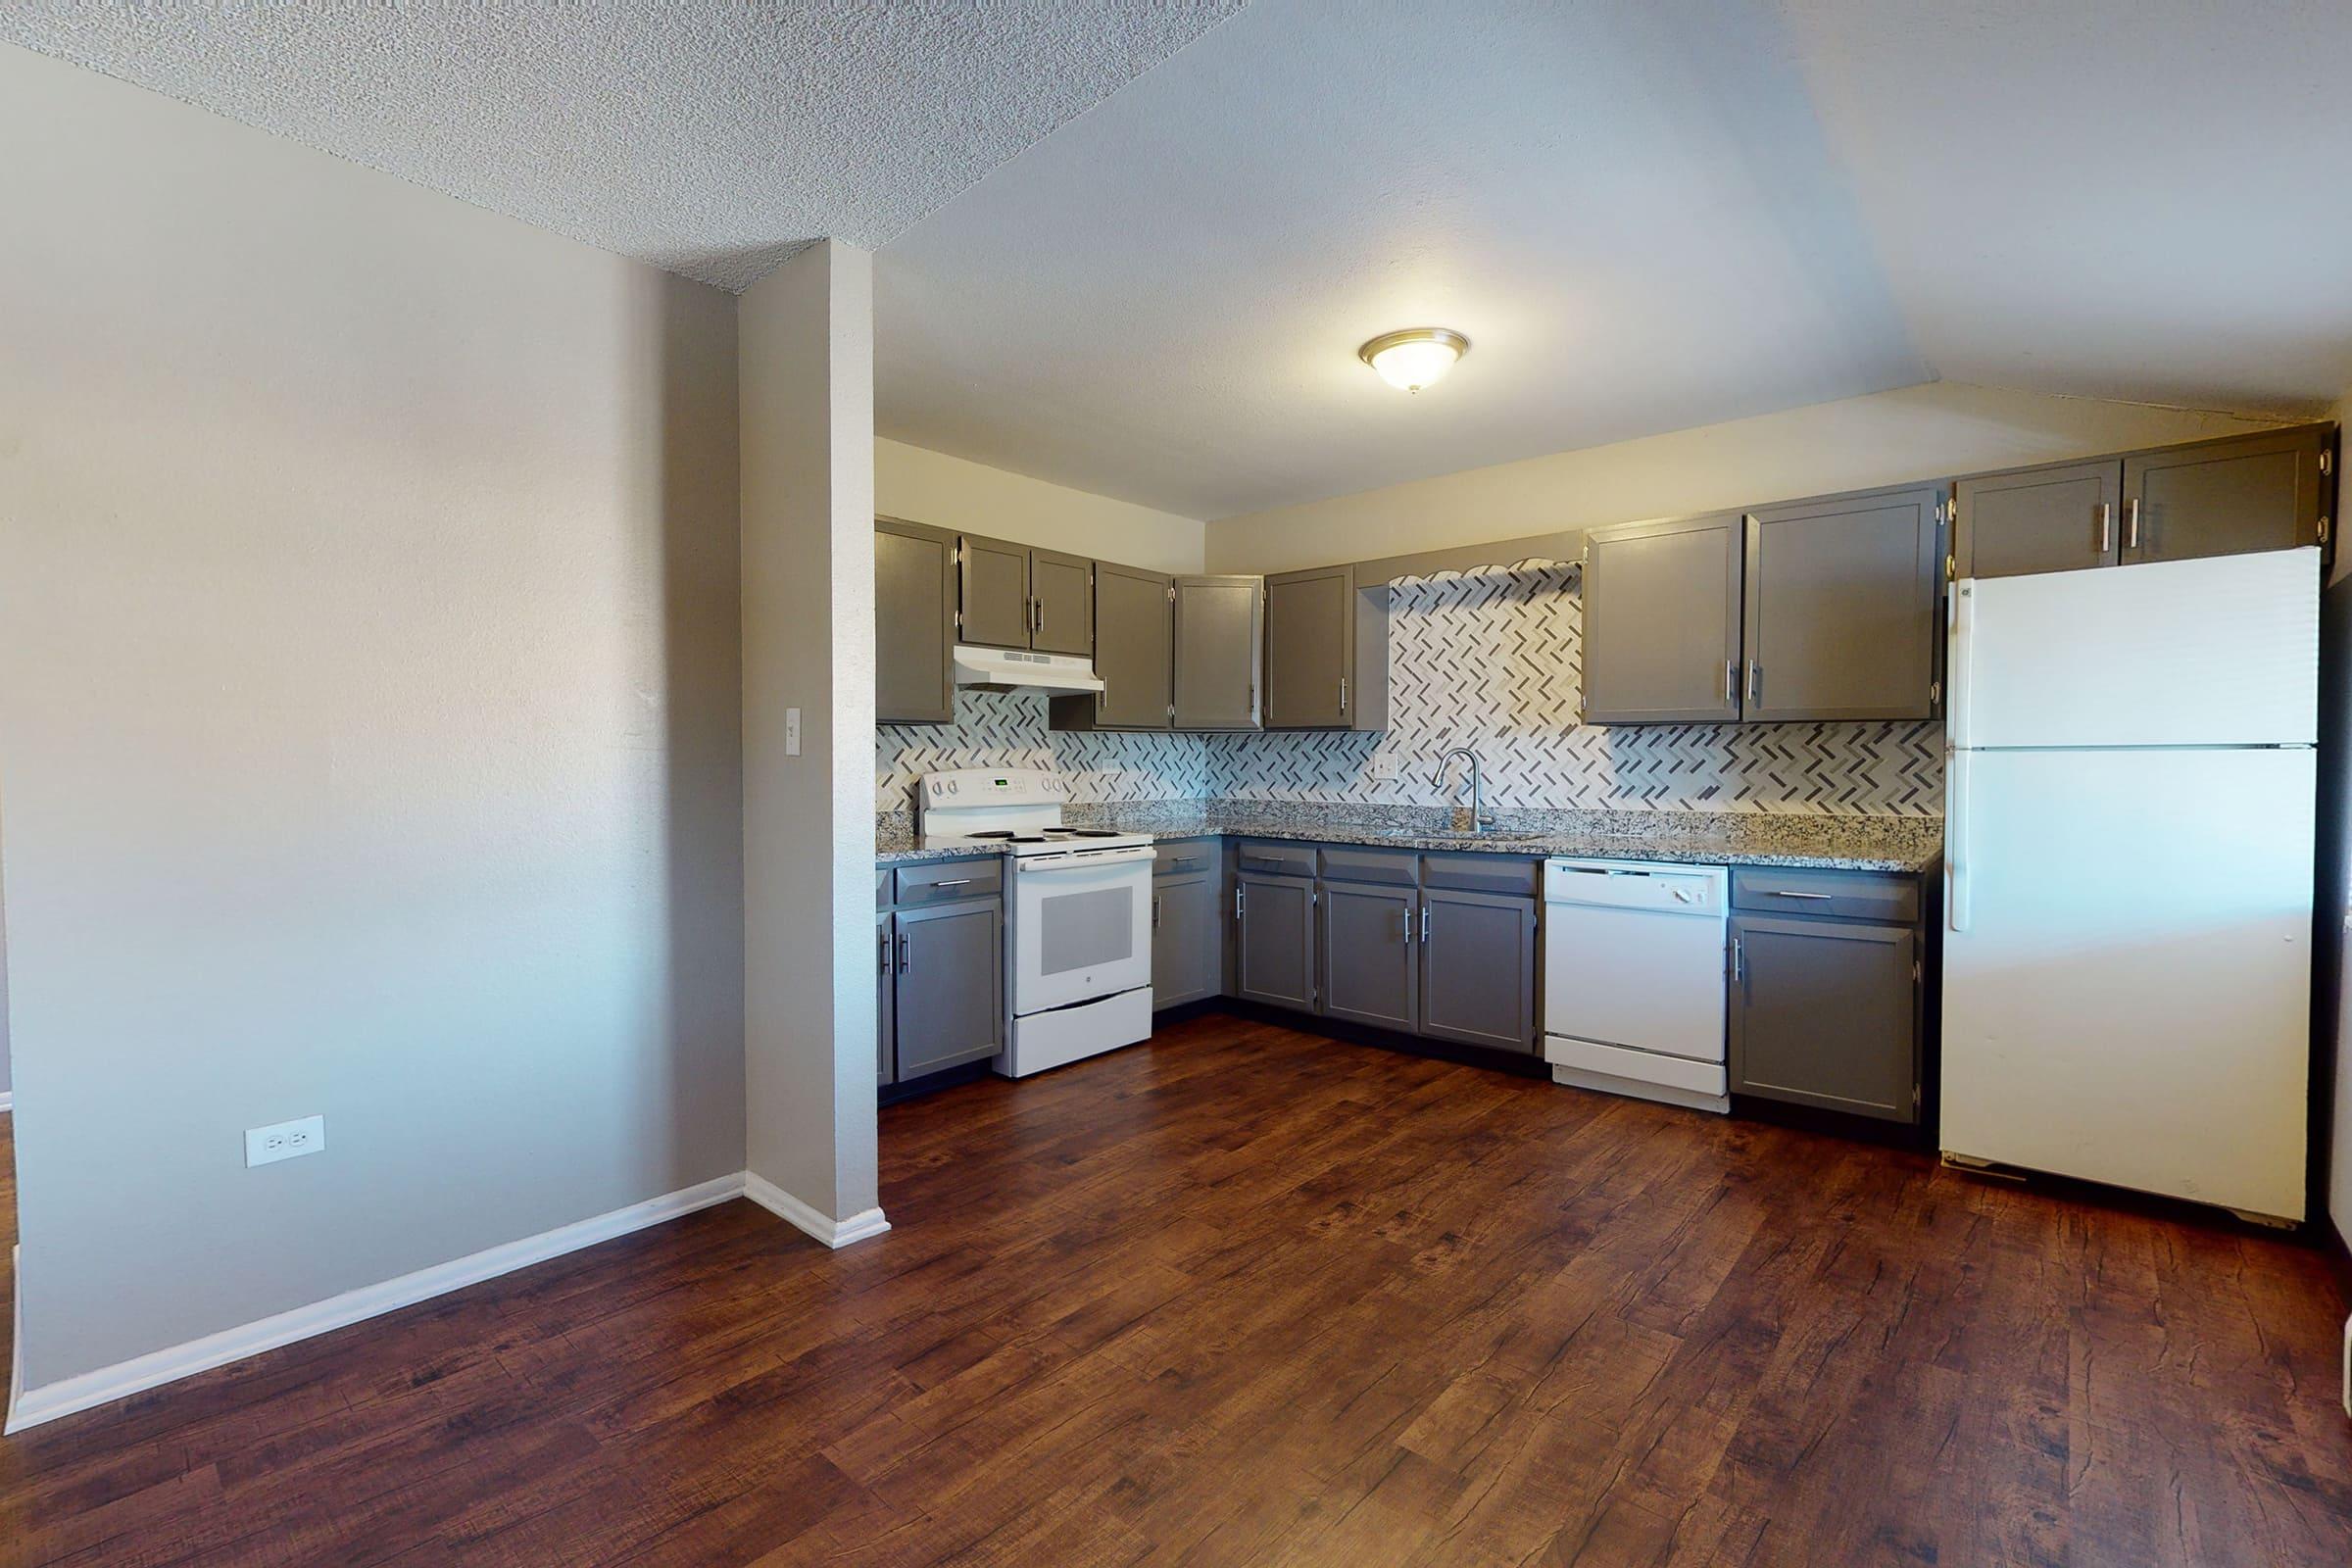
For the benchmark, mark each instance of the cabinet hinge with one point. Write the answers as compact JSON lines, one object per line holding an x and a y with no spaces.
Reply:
{"x":1916,"y":974}
{"x":1935,"y":690}
{"x":955,"y":556}
{"x":2327,"y":464}
{"x":1951,"y":568}
{"x":1915,"y":1096}
{"x":960,"y":621}
{"x":2323,"y":531}
{"x":1171,"y":711}
{"x":1171,"y":593}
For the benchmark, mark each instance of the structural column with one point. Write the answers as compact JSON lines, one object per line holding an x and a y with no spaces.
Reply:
{"x":806,"y":343}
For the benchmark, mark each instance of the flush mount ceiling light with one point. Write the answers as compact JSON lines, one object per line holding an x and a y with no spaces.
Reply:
{"x":1415,"y":357}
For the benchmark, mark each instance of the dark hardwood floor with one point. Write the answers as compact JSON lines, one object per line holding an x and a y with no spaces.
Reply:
{"x":1245,"y":1295}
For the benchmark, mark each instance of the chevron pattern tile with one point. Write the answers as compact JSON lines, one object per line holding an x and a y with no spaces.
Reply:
{"x":1492,"y":661}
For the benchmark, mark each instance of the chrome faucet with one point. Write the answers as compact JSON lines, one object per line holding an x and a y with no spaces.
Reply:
{"x":1481,"y":818}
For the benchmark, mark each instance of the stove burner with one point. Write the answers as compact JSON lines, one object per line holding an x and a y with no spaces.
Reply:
{"x":1093,"y":832}
{"x":1014,"y":838}
{"x":993,"y":833}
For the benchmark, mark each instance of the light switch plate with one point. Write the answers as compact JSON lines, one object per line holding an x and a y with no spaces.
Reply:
{"x":792,"y":732}
{"x":285,"y":1140}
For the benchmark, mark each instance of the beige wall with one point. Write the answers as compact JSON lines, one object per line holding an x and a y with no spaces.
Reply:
{"x":1885,"y":438}
{"x":369,"y":720}
{"x":808,"y":504}
{"x":924,"y":487}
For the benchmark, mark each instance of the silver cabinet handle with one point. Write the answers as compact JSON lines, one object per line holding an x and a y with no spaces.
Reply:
{"x":2106,"y":527}
{"x":1425,"y":922}
{"x":902,"y":953}
{"x":953,"y":882}
{"x":1407,"y":911}
{"x":2132,"y":523}
{"x":1237,"y":901}
{"x":1154,"y":911}
{"x":1342,"y":694}
{"x":1783,"y":892}
{"x":1730,"y":681}
{"x":1738,"y":966}
{"x":886,"y":952}
{"x":1755,"y":681}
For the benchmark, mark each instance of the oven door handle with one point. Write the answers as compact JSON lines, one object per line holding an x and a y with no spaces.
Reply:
{"x":1081,"y":861}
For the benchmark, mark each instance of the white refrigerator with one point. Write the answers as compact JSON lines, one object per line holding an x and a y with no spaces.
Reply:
{"x":2129,"y":875}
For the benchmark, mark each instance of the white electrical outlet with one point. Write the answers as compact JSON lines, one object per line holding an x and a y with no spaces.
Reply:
{"x":287,"y":1139}
{"x":1382,"y":770}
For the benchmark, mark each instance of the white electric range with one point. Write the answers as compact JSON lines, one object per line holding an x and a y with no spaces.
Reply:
{"x":1078,"y":911}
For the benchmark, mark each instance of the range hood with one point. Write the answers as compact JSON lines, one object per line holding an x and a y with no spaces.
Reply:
{"x":1007,"y":670}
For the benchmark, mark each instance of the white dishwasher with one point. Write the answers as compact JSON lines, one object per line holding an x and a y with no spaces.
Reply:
{"x":1633,"y":978}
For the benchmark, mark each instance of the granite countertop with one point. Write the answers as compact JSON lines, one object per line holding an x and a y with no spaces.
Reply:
{"x":1819,"y":841}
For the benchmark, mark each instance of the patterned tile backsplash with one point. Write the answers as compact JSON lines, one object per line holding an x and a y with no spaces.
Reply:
{"x":1491,"y":660}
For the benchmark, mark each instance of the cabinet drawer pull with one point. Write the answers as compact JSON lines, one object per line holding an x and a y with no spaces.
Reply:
{"x":1425,"y":922}
{"x":1783,"y":893}
{"x":2132,"y":523}
{"x":1154,"y":911}
{"x":2106,"y":527}
{"x":1755,"y":681}
{"x":902,"y":953}
{"x":1730,"y":681}
{"x":953,"y":882}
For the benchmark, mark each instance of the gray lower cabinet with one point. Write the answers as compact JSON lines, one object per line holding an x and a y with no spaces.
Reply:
{"x":1135,"y":626}
{"x":2226,"y":498}
{"x":885,"y":1067}
{"x":947,"y":979}
{"x":1662,"y":623}
{"x":1839,"y":614}
{"x":1478,"y":968}
{"x":1219,"y":629}
{"x":1185,"y":935}
{"x":914,"y":623}
{"x":1826,"y":1013}
{"x":1274,"y":940}
{"x":1369,"y":972}
{"x":2060,"y":517}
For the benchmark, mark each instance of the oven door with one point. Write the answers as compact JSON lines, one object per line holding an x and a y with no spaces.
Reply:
{"x":1081,"y":927}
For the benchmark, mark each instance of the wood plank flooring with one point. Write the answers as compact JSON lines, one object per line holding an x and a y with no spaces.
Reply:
{"x":1244,"y":1296}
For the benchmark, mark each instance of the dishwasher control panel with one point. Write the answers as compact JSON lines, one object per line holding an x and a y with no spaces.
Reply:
{"x":1639,"y":884}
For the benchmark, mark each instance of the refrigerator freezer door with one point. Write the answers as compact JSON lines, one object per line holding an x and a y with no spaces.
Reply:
{"x":2130,"y":1000}
{"x":2218,"y":652}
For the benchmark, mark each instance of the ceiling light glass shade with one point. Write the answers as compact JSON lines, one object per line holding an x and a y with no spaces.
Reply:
{"x":1415,"y":357}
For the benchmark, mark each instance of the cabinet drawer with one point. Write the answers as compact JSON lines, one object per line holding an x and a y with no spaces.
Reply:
{"x":1278,"y":860}
{"x":1845,"y":895}
{"x":1185,"y":857}
{"x":949,"y":880}
{"x":1349,"y":864}
{"x":1475,"y":871}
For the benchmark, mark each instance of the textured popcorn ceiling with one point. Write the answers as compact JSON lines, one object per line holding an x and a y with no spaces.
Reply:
{"x":712,"y":139}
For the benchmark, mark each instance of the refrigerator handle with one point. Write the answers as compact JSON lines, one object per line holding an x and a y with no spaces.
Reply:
{"x":1959,"y":637}
{"x":1957,"y":892}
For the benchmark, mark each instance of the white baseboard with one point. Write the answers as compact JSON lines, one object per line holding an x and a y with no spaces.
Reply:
{"x":27,"y":1407}
{"x":833,"y":1233}
{"x":8,"y":1099}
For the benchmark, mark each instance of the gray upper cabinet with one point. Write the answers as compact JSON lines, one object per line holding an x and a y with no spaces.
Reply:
{"x":914,"y":619}
{"x":950,"y":968}
{"x":1219,"y":628}
{"x":994,"y":593}
{"x":1826,"y":1013}
{"x":1839,"y":618}
{"x":2058,"y":517}
{"x":1478,"y":968}
{"x":1274,"y":940}
{"x":1135,"y":624}
{"x":1185,"y":935}
{"x":1661,"y":603}
{"x":1368,"y":945}
{"x":2226,"y":498}
{"x":1061,"y":603}
{"x":1327,"y":652}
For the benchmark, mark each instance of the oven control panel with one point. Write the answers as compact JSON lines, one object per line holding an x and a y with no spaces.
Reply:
{"x":981,"y":786}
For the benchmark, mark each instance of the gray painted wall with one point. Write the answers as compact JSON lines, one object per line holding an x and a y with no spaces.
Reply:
{"x":368,"y":652}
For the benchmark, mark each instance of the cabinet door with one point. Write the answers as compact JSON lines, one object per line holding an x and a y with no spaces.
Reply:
{"x":1310,"y":638}
{"x":994,"y":593}
{"x":2223,"y":498}
{"x":1184,"y":939}
{"x":1134,"y":647}
{"x":1841,"y":610}
{"x":883,"y":1072}
{"x":1478,"y":968}
{"x":1274,"y":949}
{"x":1826,"y":1015}
{"x":914,"y":624}
{"x":1368,"y":971}
{"x":1662,"y":623}
{"x":2058,"y":519}
{"x":951,"y":978}
{"x":1218,"y":624}
{"x":1062,"y":593}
